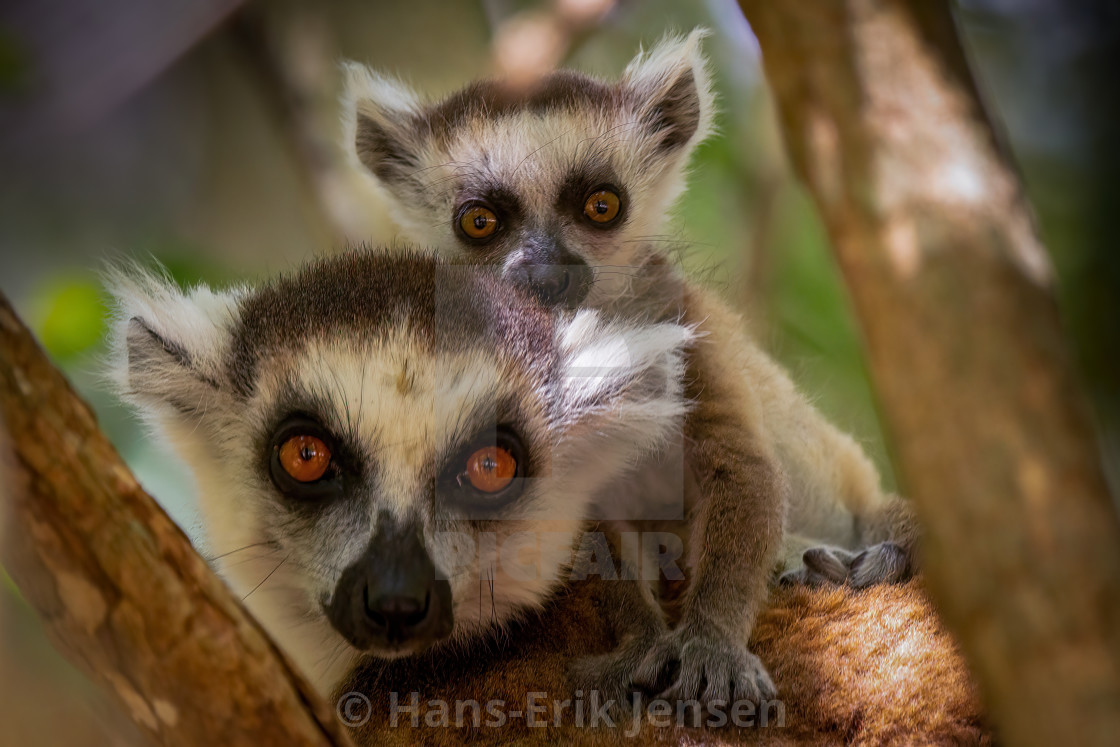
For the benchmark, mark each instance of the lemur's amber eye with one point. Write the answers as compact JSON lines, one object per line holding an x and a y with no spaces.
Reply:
{"x":305,"y":458}
{"x":602,"y":206}
{"x":488,"y":473}
{"x":491,"y":469}
{"x":478,"y":222}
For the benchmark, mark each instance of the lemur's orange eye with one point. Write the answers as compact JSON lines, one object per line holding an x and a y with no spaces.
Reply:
{"x":478,"y":222}
{"x":491,"y":469}
{"x":602,"y":206}
{"x":305,"y":458}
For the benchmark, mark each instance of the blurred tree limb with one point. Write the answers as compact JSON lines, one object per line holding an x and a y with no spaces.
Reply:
{"x":953,"y":289}
{"x":118,"y":585}
{"x":289,"y":51}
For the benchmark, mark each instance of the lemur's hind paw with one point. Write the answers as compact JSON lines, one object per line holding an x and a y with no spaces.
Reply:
{"x":824,"y":566}
{"x":884,"y":563}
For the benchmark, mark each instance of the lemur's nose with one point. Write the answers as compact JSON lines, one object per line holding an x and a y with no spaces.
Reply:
{"x":390,"y":599}
{"x":556,"y":284}
{"x":557,"y":276}
{"x":550,"y":281}
{"x":398,"y":616}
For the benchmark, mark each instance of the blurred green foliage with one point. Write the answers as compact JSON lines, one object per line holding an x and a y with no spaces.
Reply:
{"x":14,"y":66}
{"x":69,"y":311}
{"x":71,"y":316}
{"x":814,"y":325}
{"x":9,"y":584}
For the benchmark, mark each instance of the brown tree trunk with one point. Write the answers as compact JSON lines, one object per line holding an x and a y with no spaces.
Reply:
{"x":119,"y":587}
{"x":954,"y":292}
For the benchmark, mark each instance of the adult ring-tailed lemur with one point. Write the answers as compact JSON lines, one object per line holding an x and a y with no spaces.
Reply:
{"x":361,"y":430}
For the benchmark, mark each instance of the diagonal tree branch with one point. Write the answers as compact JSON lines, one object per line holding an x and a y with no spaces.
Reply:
{"x":118,"y":585}
{"x":884,"y":123}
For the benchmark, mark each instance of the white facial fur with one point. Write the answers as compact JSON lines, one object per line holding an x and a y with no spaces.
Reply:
{"x":636,"y":134}
{"x":404,"y":404}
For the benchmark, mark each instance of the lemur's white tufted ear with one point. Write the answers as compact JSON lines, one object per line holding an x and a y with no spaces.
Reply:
{"x":671,"y":88}
{"x":167,"y":344}
{"x":379,"y":116}
{"x":623,"y":381}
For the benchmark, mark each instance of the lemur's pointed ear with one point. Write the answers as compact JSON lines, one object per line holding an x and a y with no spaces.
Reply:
{"x":168,"y":345}
{"x":380,"y":122}
{"x":671,"y":90}
{"x":624,"y":383}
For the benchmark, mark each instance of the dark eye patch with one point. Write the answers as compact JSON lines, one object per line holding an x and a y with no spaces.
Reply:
{"x":295,"y":414}
{"x":507,"y":212}
{"x":504,"y":423}
{"x":480,"y":491}
{"x":302,"y":464}
{"x":497,"y":197}
{"x":580,"y":182}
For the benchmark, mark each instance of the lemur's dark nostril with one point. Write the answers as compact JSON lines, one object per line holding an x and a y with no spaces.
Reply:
{"x":558,"y":284}
{"x":421,"y":613}
{"x":398,"y":614}
{"x":553,"y":283}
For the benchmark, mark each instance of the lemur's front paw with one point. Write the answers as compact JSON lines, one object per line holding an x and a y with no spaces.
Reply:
{"x":884,"y":563}
{"x":611,"y":676}
{"x":708,"y":668}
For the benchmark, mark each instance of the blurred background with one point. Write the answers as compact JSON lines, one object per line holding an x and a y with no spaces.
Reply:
{"x":205,"y":134}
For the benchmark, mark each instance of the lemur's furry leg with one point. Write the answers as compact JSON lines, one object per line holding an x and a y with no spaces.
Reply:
{"x":736,"y":530}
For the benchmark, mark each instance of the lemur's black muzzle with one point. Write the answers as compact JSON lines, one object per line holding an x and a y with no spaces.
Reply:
{"x":390,"y":599}
{"x":557,"y":276}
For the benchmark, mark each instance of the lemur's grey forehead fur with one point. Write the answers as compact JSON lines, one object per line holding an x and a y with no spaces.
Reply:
{"x":676,"y":116}
{"x":389,"y":157}
{"x":183,"y":349}
{"x":370,"y":295}
{"x":674,"y":121}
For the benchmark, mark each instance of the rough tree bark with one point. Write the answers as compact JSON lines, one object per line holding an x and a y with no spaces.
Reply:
{"x":883,"y":121}
{"x":118,"y":585}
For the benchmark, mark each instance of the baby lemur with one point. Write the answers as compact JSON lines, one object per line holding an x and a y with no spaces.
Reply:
{"x":564,"y":186}
{"x":392,"y":452}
